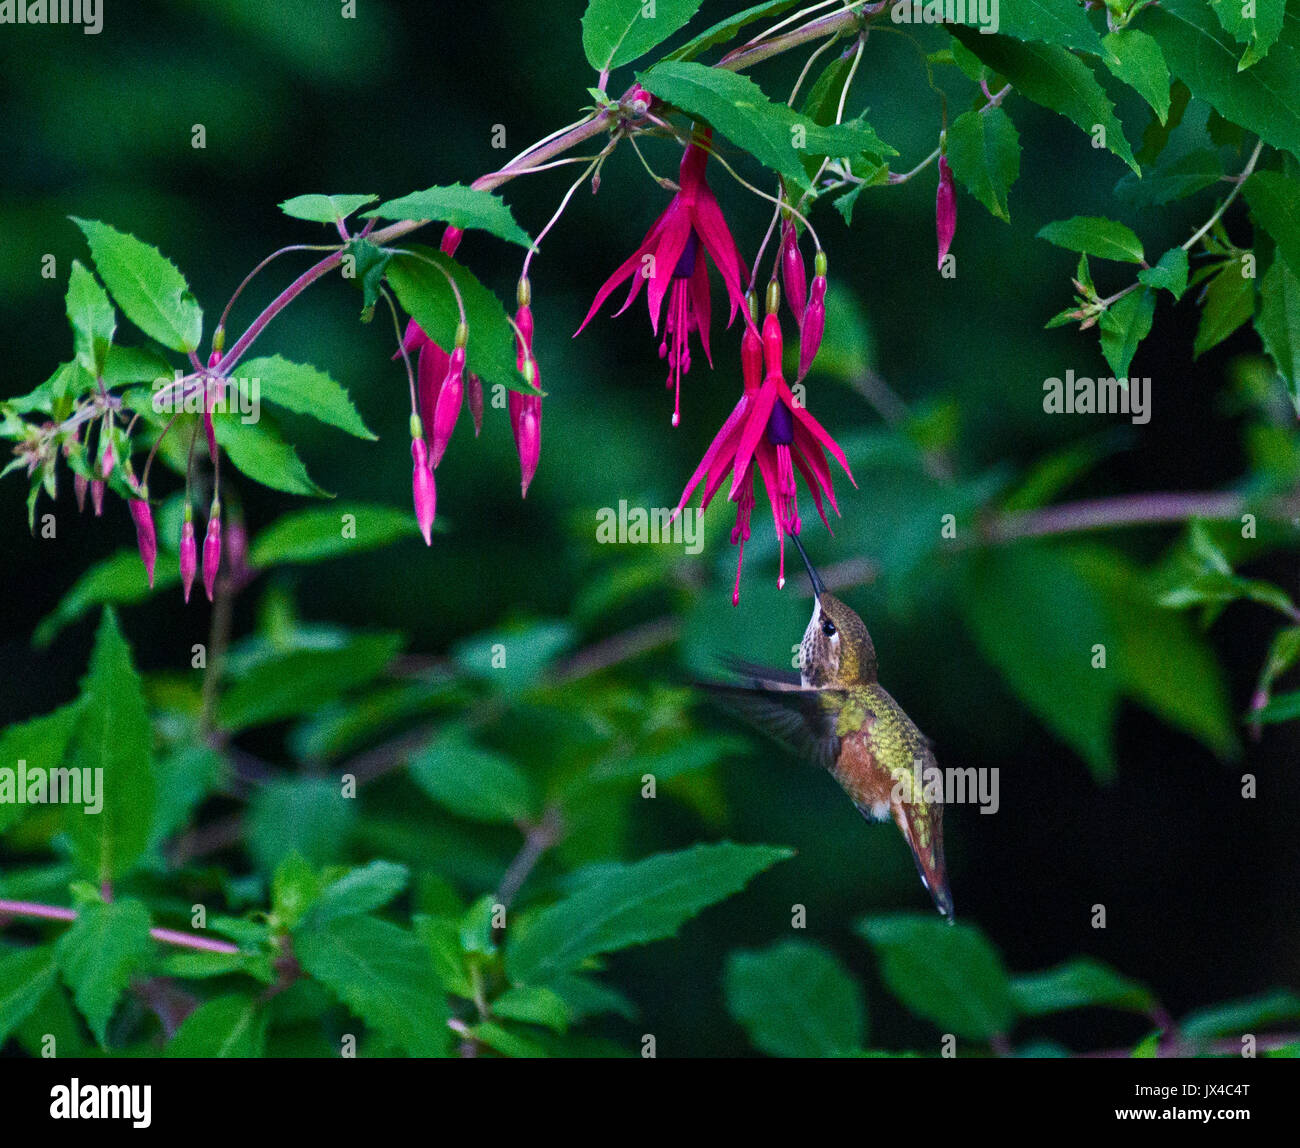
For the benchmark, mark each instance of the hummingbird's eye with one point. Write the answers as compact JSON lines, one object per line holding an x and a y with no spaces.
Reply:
{"x":828,"y":628}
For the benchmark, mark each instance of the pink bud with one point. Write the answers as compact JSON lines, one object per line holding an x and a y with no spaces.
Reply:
{"x":423,"y":489}
{"x":214,"y":359}
{"x":772,"y":343}
{"x":523,"y":341}
{"x":80,"y":484}
{"x":451,"y":238}
{"x":447,"y":409}
{"x":476,"y":402}
{"x":526,"y":421}
{"x":144,"y":534}
{"x":814,"y":323}
{"x":97,"y":495}
{"x":431,"y":372}
{"x":189,"y":555}
{"x":945,"y":209}
{"x":751,"y":359}
{"x":212,"y":554}
{"x":794,"y":275}
{"x":107,"y":459}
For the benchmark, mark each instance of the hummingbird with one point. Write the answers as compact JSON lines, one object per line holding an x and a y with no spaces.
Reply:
{"x":835,"y":712}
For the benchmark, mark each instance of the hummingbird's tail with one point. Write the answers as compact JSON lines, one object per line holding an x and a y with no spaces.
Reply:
{"x":921,"y":823}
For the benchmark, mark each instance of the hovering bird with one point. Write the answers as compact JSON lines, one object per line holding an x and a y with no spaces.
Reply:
{"x":836,"y":713}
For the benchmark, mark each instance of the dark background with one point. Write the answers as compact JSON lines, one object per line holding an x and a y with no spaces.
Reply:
{"x":1200,"y":886}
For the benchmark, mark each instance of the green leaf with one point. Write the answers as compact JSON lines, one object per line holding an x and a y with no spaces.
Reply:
{"x":459,"y":206}
{"x":823,"y":99}
{"x":423,"y":291}
{"x":533,"y":1004}
{"x":92,"y":317}
{"x":1237,"y":1018}
{"x":795,"y":999}
{"x":1284,"y":707}
{"x":775,"y":135}
{"x":258,"y":451}
{"x":360,"y":891}
{"x":42,"y":742}
{"x":26,"y":975}
{"x":118,"y":581}
{"x":1258,"y":30}
{"x":229,"y":1026}
{"x":113,"y":736}
{"x":1045,"y":21}
{"x":726,"y":29}
{"x":948,"y":973}
{"x":1264,"y":100}
{"x":984,"y":151}
{"x":1079,"y":983}
{"x":309,"y":815}
{"x":1178,"y":179}
{"x":1170,"y":273}
{"x":515,"y":658}
{"x":384,"y":976}
{"x":325,"y":208}
{"x":301,"y":388}
{"x":472,"y":781}
{"x":1274,"y":201}
{"x":1147,"y":1048}
{"x":316,"y":534}
{"x":1051,"y":76}
{"x":98,"y":954}
{"x":1278,"y":324}
{"x":300,"y":681}
{"x":146,"y":285}
{"x":507,"y":1043}
{"x":184,"y":775}
{"x":616,"y":32}
{"x":1124,"y":324}
{"x":1229,"y":302}
{"x":1093,"y":235}
{"x":1136,"y":59}
{"x":1037,"y":619}
{"x":632,"y":904}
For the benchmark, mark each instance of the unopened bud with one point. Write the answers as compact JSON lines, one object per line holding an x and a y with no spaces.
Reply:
{"x":794,"y":274}
{"x":751,"y":359}
{"x":189,"y":552}
{"x":144,"y":531}
{"x":945,"y":209}
{"x":814,"y":323}
{"x":423,"y":489}
{"x":451,"y":238}
{"x":526,"y":423}
{"x":772,"y":343}
{"x":80,"y":484}
{"x":447,"y":409}
{"x":212,"y":550}
{"x":524,"y":335}
{"x":97,"y":495}
{"x":773,"y":296}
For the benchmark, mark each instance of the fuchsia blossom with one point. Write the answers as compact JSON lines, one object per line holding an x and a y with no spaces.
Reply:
{"x":212,"y":550}
{"x":945,"y":209}
{"x":144,"y":531}
{"x":692,"y":218}
{"x":189,"y":552}
{"x":526,"y":410}
{"x":769,"y":429}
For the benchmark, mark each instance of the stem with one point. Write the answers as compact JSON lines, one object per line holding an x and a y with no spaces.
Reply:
{"x":828,"y":25}
{"x":1236,"y":191}
{"x":539,"y":839}
{"x":166,"y":936}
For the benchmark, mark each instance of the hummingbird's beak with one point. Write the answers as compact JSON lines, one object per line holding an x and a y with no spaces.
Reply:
{"x":819,"y":587}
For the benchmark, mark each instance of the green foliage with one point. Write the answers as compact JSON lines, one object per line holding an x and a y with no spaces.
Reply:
{"x":984,"y":150}
{"x":325,"y":208}
{"x":97,"y":956}
{"x":616,"y":32}
{"x":462,"y":207}
{"x":304,"y":389}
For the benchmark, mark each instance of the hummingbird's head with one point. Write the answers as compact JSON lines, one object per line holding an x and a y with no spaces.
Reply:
{"x":836,"y":649}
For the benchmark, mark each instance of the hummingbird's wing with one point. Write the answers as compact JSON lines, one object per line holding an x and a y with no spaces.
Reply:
{"x":800,"y":718}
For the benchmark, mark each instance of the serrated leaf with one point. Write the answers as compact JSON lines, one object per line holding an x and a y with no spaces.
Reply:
{"x":1136,"y":59}
{"x":113,"y":736}
{"x":948,"y":973}
{"x":258,"y":451}
{"x":325,"y":208}
{"x":822,"y":102}
{"x":1229,"y":302}
{"x":1169,"y":274}
{"x":1278,"y":324}
{"x":92,"y":317}
{"x":1094,"y":235}
{"x":26,"y":975}
{"x":301,"y":388}
{"x":424,"y":294}
{"x":384,"y":976}
{"x":464,"y":207}
{"x":472,"y":781}
{"x":146,"y":285}
{"x":631,"y":905}
{"x":1039,"y":20}
{"x":360,"y":891}
{"x":1167,"y":182}
{"x":737,"y":108}
{"x":533,"y":1004}
{"x":1078,"y":983}
{"x":317,"y":534}
{"x":308,"y":815}
{"x":1051,"y":76}
{"x":229,"y":1026}
{"x":795,"y":999}
{"x":1256,"y":24}
{"x":984,"y":151}
{"x":616,"y":32}
{"x":117,"y":580}
{"x":1274,"y":201}
{"x":1264,"y":99}
{"x":1124,"y":324}
{"x":98,"y":954}
{"x":42,"y":742}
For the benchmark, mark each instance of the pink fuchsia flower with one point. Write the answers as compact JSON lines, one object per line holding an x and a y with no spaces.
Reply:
{"x":814,"y":317}
{"x":769,"y":431}
{"x":692,"y":218}
{"x":144,"y":531}
{"x":189,"y":552}
{"x":526,"y":410}
{"x":212,"y":550}
{"x":423,"y":490}
{"x":440,"y":385}
{"x":945,"y":209}
{"x":794,"y":274}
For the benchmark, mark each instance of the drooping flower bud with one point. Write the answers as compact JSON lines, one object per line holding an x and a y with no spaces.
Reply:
{"x":144,"y":531}
{"x":80,"y":484}
{"x":423,"y":489}
{"x":451,"y":238}
{"x":751,"y":349}
{"x":189,"y":552}
{"x":772,"y":348}
{"x":212,"y":550}
{"x":814,"y":317}
{"x":526,"y":424}
{"x":97,"y":495}
{"x":107,"y":461}
{"x":474,"y":387}
{"x":447,"y":409}
{"x":794,"y":275}
{"x":945,"y":209}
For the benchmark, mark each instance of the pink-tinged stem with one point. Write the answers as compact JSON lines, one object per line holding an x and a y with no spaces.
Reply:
{"x":166,"y":936}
